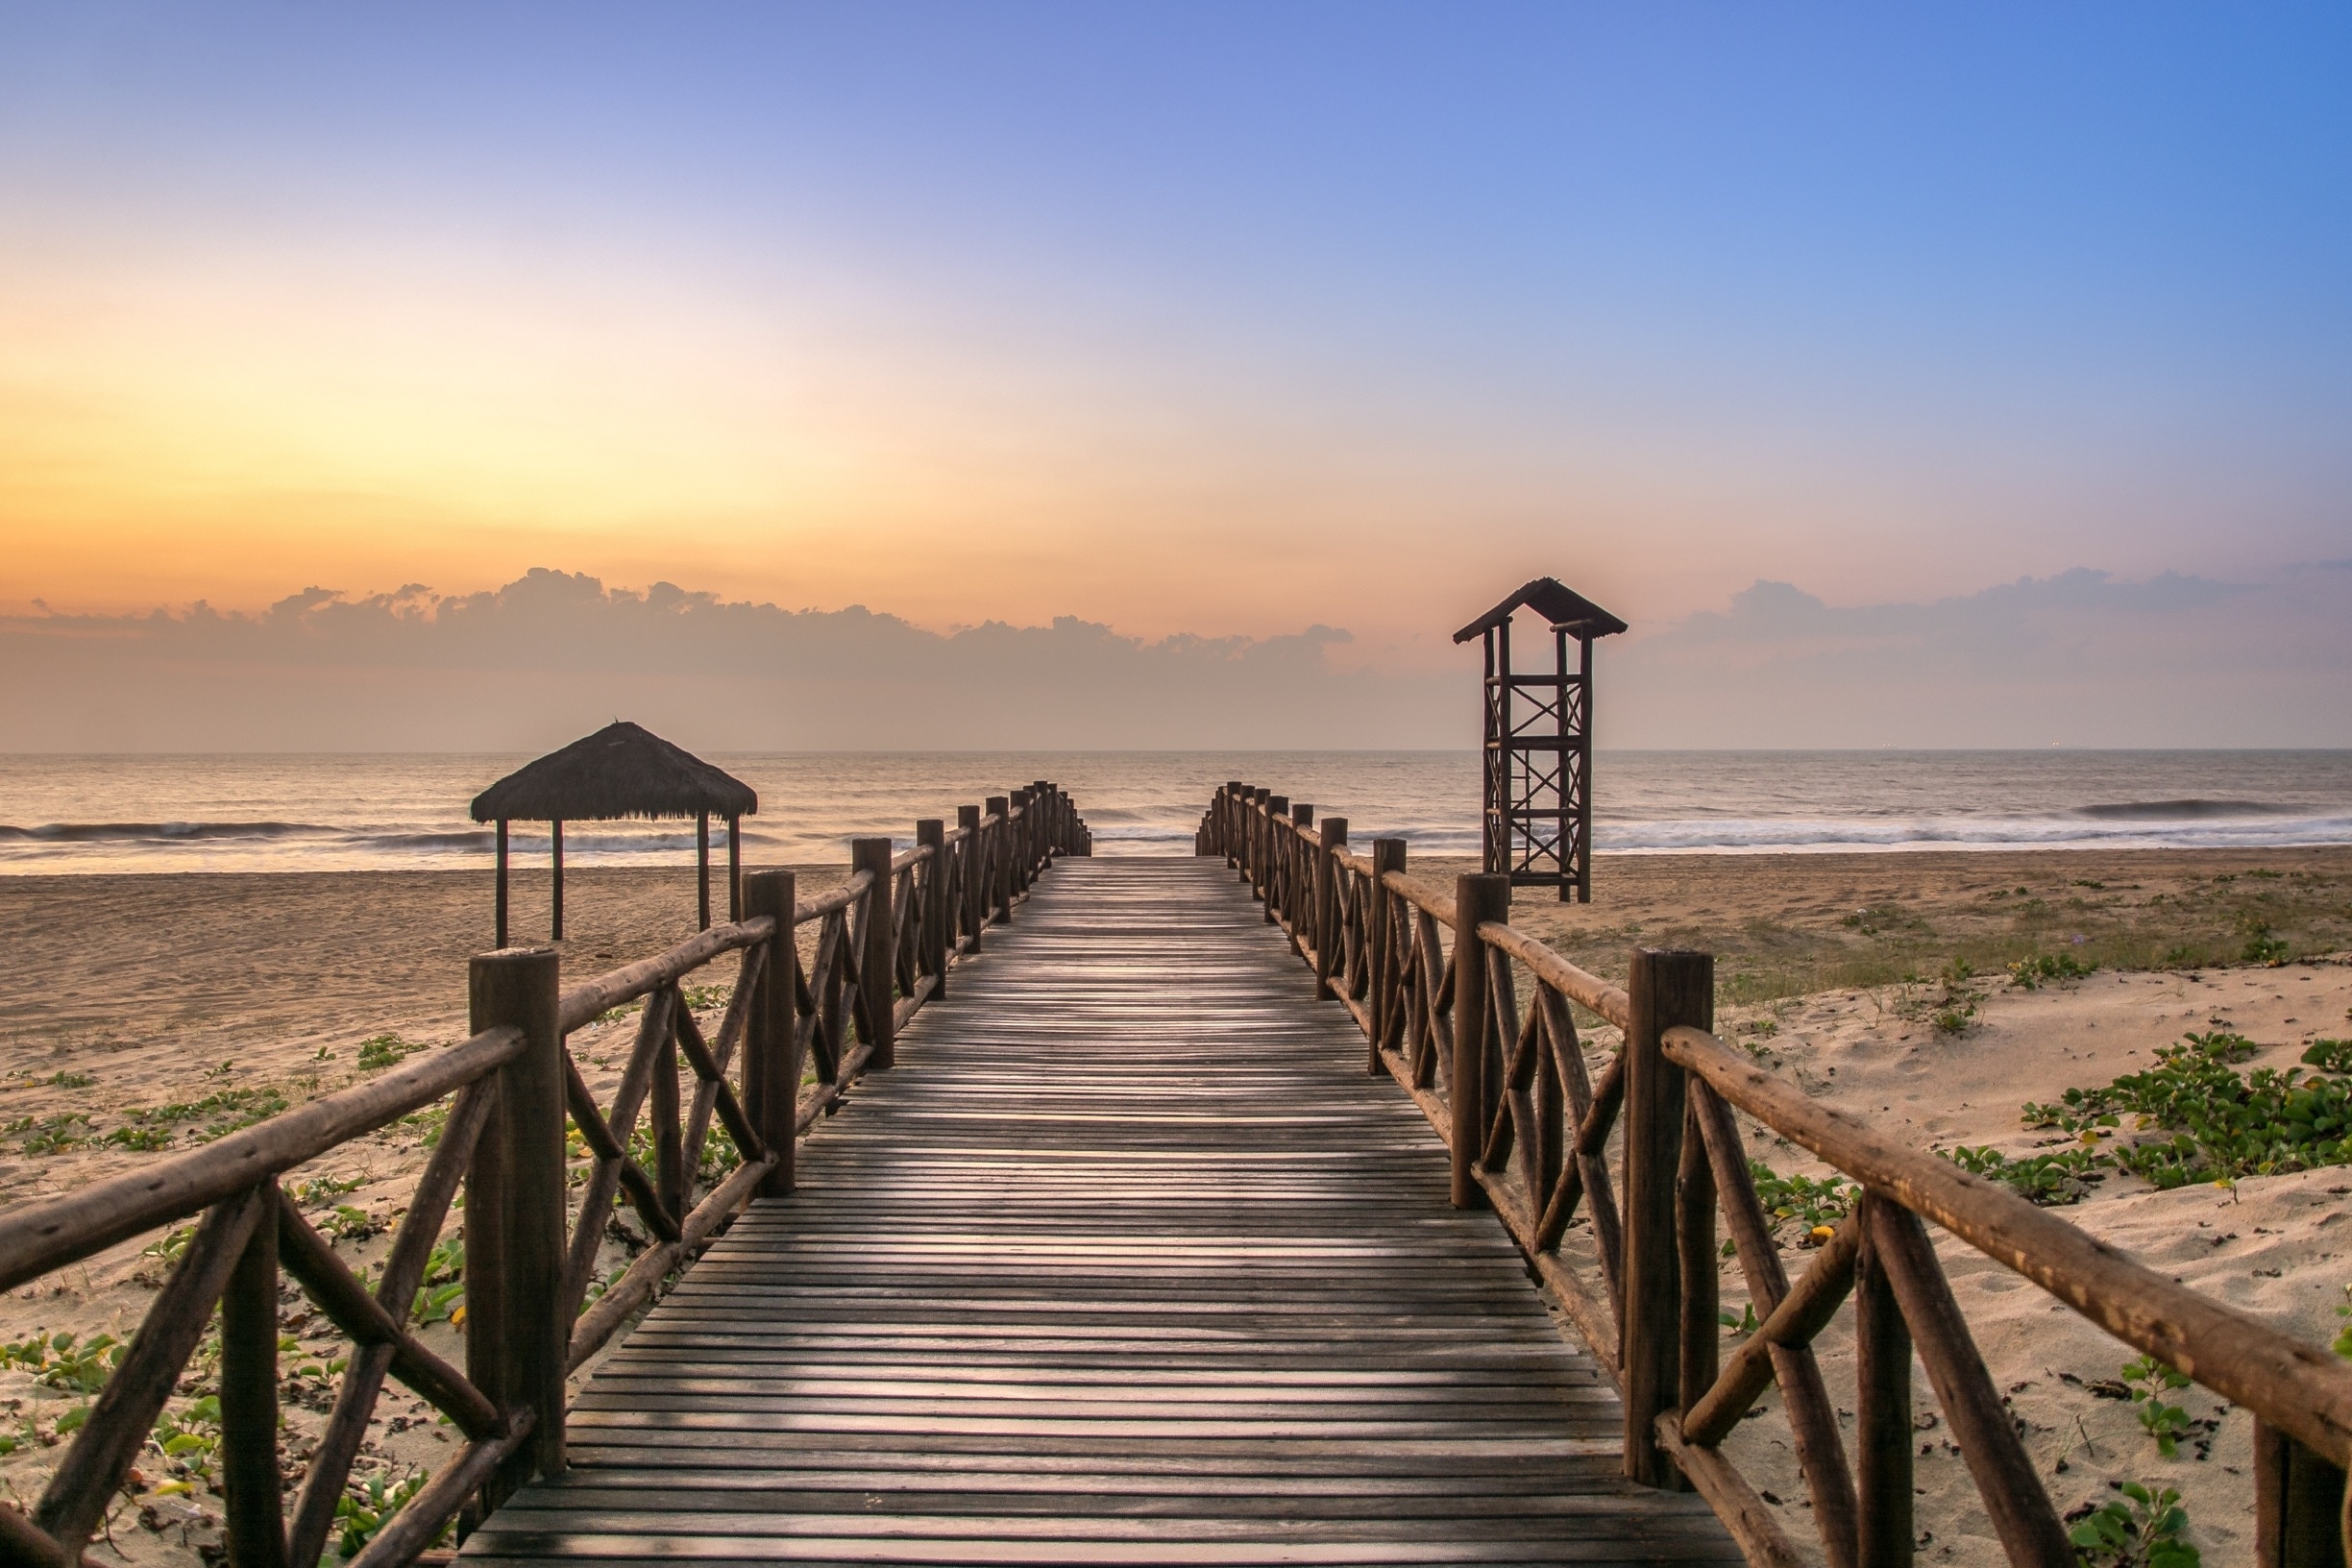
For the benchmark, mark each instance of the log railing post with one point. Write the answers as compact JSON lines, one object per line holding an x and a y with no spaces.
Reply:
{"x":1275,"y":812}
{"x":1477,"y":897}
{"x":1259,"y":801}
{"x":249,"y":1398}
{"x":1667,"y":988}
{"x":1700,"y":1356}
{"x":931,"y":879}
{"x":1298,"y":876}
{"x":772,"y":1038}
{"x":1331,"y":841}
{"x":2300,"y":1511}
{"x":974,"y":915}
{"x":877,"y":950}
{"x":516,"y":1348}
{"x":1883,"y":1531}
{"x":1388,"y":855}
{"x":999,"y":878}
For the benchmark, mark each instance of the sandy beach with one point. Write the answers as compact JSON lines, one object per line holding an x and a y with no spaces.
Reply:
{"x":134,"y":992}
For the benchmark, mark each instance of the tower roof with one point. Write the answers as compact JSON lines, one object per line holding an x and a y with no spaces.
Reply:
{"x":1557,"y":603}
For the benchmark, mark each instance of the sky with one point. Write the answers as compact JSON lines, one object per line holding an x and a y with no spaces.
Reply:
{"x":1830,"y":346}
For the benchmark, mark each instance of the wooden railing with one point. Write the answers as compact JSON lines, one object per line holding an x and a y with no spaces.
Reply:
{"x":1434,"y":979}
{"x":886,"y":942}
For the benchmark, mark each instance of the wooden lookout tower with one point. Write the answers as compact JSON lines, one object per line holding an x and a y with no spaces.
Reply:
{"x":1539,"y":750}
{"x":621,"y":770}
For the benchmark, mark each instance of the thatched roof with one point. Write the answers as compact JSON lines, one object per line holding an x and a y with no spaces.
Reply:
{"x":621,"y":770}
{"x":1557,"y":603}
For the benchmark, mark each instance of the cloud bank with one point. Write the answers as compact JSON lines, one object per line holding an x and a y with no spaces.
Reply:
{"x":2081,"y":658}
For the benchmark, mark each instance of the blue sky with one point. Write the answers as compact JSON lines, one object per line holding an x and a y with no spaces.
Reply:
{"x":971,"y":311}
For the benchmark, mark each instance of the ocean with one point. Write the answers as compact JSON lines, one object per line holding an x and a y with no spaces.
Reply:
{"x":356,"y":812}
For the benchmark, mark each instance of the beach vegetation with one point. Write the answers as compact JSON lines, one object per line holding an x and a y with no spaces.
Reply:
{"x":2049,"y":1180}
{"x":2140,"y":1529}
{"x":190,"y":1437}
{"x":65,"y":1361}
{"x":2212,"y":1123}
{"x":367,"y":1506}
{"x":2193,"y":925}
{"x":430,"y":1122}
{"x":2149,"y":1381}
{"x":380,"y":1051}
{"x":2343,"y":1336}
{"x":1805,"y":1204}
{"x":441,"y":1297}
{"x":55,"y":1133}
{"x":217,"y":1114}
{"x":2032,"y":972}
{"x":318,"y":1189}
{"x":2265,"y":948}
{"x":145,"y":1140}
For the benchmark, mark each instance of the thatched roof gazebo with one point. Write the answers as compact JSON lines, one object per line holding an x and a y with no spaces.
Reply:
{"x":621,"y":770}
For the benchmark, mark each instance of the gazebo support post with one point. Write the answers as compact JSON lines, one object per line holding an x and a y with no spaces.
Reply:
{"x":556,"y":923}
{"x":502,"y":882}
{"x":702,"y":865}
{"x":734,"y":866}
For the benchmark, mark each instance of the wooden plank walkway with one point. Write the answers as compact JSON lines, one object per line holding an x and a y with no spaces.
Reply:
{"x":1128,"y":1261}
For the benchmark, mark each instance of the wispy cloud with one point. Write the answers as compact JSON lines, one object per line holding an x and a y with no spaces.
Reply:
{"x":2079,"y":658}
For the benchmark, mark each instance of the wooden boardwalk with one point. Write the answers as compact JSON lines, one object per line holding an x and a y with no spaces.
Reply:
{"x":1128,"y":1261}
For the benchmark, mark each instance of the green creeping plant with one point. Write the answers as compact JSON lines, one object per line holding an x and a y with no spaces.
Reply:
{"x":2141,"y":1530}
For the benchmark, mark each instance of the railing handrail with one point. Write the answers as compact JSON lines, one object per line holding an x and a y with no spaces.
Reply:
{"x":918,"y":913}
{"x":51,"y":1233}
{"x":1450,"y":1029}
{"x":2231,"y":1352}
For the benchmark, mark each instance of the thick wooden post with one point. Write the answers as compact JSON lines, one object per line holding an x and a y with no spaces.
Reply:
{"x":734,"y":866}
{"x":673,"y":1183}
{"x":1883,"y":1526}
{"x":1477,"y":899}
{"x":1024,"y":823}
{"x":931,"y":833}
{"x":772,"y":1038}
{"x":556,"y":920}
{"x":974,"y":861}
{"x":702,"y":867}
{"x":1298,"y":877}
{"x":1388,"y":855}
{"x":877,"y":950}
{"x":1260,"y":803}
{"x":999,"y":858}
{"x":516,"y":1347}
{"x":502,"y":882}
{"x":249,"y":1398}
{"x":1667,"y":988}
{"x":2302,"y":1518}
{"x":1328,"y":942}
{"x":1271,"y":840}
{"x":1700,"y":1356}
